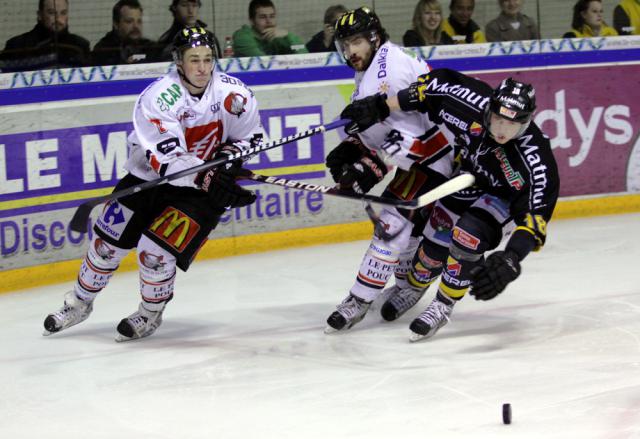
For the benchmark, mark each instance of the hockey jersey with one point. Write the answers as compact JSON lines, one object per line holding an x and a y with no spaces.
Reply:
{"x":523,"y":171}
{"x":415,"y":138}
{"x":174,"y":130}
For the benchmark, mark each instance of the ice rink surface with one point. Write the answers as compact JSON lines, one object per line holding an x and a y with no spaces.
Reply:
{"x":242,"y":353}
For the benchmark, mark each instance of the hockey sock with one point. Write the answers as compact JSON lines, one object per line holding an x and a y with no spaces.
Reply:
{"x":99,"y":264}
{"x":157,"y":274}
{"x":381,"y":259}
{"x":405,"y":262}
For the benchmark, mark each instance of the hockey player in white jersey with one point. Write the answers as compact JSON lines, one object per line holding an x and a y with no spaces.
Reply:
{"x":416,"y":147}
{"x":181,"y":120}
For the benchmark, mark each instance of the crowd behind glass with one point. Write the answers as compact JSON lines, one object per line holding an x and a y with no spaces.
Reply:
{"x":50,"y":43}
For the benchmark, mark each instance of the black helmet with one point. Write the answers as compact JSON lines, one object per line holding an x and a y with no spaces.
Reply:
{"x":192,"y":36}
{"x":514,"y":100}
{"x":359,"y":21}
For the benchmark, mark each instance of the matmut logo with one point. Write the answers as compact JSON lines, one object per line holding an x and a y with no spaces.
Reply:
{"x":203,"y":139}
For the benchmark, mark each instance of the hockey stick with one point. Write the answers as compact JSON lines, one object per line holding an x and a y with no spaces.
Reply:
{"x":454,"y":185}
{"x":81,"y":215}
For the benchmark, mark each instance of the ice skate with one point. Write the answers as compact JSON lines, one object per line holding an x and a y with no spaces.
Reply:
{"x":380,"y":300}
{"x":400,"y":302}
{"x":431,"y":320}
{"x":348,"y":313}
{"x":72,"y":312}
{"x":141,"y":323}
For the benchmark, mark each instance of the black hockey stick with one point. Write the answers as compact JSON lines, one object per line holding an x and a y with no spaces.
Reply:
{"x":454,"y":185}
{"x":81,"y":215}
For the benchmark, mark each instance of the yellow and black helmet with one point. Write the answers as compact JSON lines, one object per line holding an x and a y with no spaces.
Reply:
{"x":360,"y":21}
{"x":192,"y":36}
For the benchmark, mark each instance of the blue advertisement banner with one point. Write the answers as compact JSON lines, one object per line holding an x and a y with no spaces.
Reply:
{"x":49,"y":170}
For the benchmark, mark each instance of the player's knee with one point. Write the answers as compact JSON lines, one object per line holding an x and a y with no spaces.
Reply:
{"x":428,"y":263}
{"x":397,"y":226}
{"x":157,"y":269}
{"x":472,"y":237}
{"x":103,"y":255}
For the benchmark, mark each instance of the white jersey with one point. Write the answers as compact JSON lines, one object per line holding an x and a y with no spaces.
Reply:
{"x":391,"y":70}
{"x":175,"y":131}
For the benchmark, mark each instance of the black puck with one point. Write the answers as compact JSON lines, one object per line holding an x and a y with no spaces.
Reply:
{"x":506,"y":413}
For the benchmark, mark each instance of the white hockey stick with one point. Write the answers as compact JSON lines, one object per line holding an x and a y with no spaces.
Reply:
{"x":452,"y":186}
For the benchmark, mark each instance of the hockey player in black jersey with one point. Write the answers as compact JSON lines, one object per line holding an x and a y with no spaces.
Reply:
{"x":516,"y":180}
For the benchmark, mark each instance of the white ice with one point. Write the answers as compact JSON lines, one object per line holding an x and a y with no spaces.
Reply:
{"x":242,"y":353}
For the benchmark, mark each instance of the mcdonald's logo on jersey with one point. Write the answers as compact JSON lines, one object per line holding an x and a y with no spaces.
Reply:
{"x":175,"y":228}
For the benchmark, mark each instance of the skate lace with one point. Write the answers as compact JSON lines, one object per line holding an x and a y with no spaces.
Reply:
{"x":69,"y":311}
{"x":435,"y":313}
{"x":138,"y":321}
{"x":349,"y":307}
{"x":406,"y":298}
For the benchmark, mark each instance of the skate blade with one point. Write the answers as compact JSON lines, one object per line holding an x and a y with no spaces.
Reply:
{"x":47,"y":333}
{"x":330,"y":330}
{"x":414,"y":337}
{"x":122,"y":338}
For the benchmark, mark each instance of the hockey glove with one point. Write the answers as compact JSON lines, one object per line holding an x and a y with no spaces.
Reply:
{"x":365,"y":112}
{"x":493,"y":276}
{"x":220,"y":184}
{"x":346,"y":153}
{"x":228,"y":150}
{"x":362,"y":175}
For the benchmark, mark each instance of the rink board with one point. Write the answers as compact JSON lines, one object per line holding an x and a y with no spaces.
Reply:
{"x":56,"y":152}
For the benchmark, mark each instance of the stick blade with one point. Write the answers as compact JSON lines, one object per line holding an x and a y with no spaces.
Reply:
{"x":80,"y":217}
{"x":452,"y":186}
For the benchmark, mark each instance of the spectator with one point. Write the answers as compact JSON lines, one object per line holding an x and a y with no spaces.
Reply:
{"x":587,"y":21}
{"x":49,"y":44}
{"x":511,"y":24}
{"x":264,"y":37}
{"x":427,"y":26}
{"x":185,"y":14}
{"x":459,"y":26}
{"x":124,"y":44}
{"x":626,"y":17}
{"x":323,"y":41}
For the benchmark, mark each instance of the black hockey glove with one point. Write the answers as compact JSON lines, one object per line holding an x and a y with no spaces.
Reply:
{"x":362,"y":175}
{"x":220,"y":184}
{"x":346,"y":153}
{"x":365,"y":112}
{"x":227,"y":150}
{"x":493,"y":276}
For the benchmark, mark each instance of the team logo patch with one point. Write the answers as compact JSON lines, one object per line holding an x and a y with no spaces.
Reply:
{"x":175,"y":228}
{"x":187,"y":114}
{"x":114,"y":219}
{"x":158,"y":124}
{"x":454,"y":269}
{"x":420,"y":273}
{"x":154,"y":262}
{"x":383,"y":87}
{"x":442,"y":224}
{"x":103,"y":250}
{"x":440,"y":220}
{"x":476,"y":129}
{"x":504,"y":111}
{"x":203,"y":139}
{"x":465,"y":238}
{"x":234,"y":103}
{"x":426,"y":260}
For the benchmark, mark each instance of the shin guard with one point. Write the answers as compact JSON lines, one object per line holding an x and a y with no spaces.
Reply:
{"x":157,"y":274}
{"x":99,"y":264}
{"x":381,"y":259}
